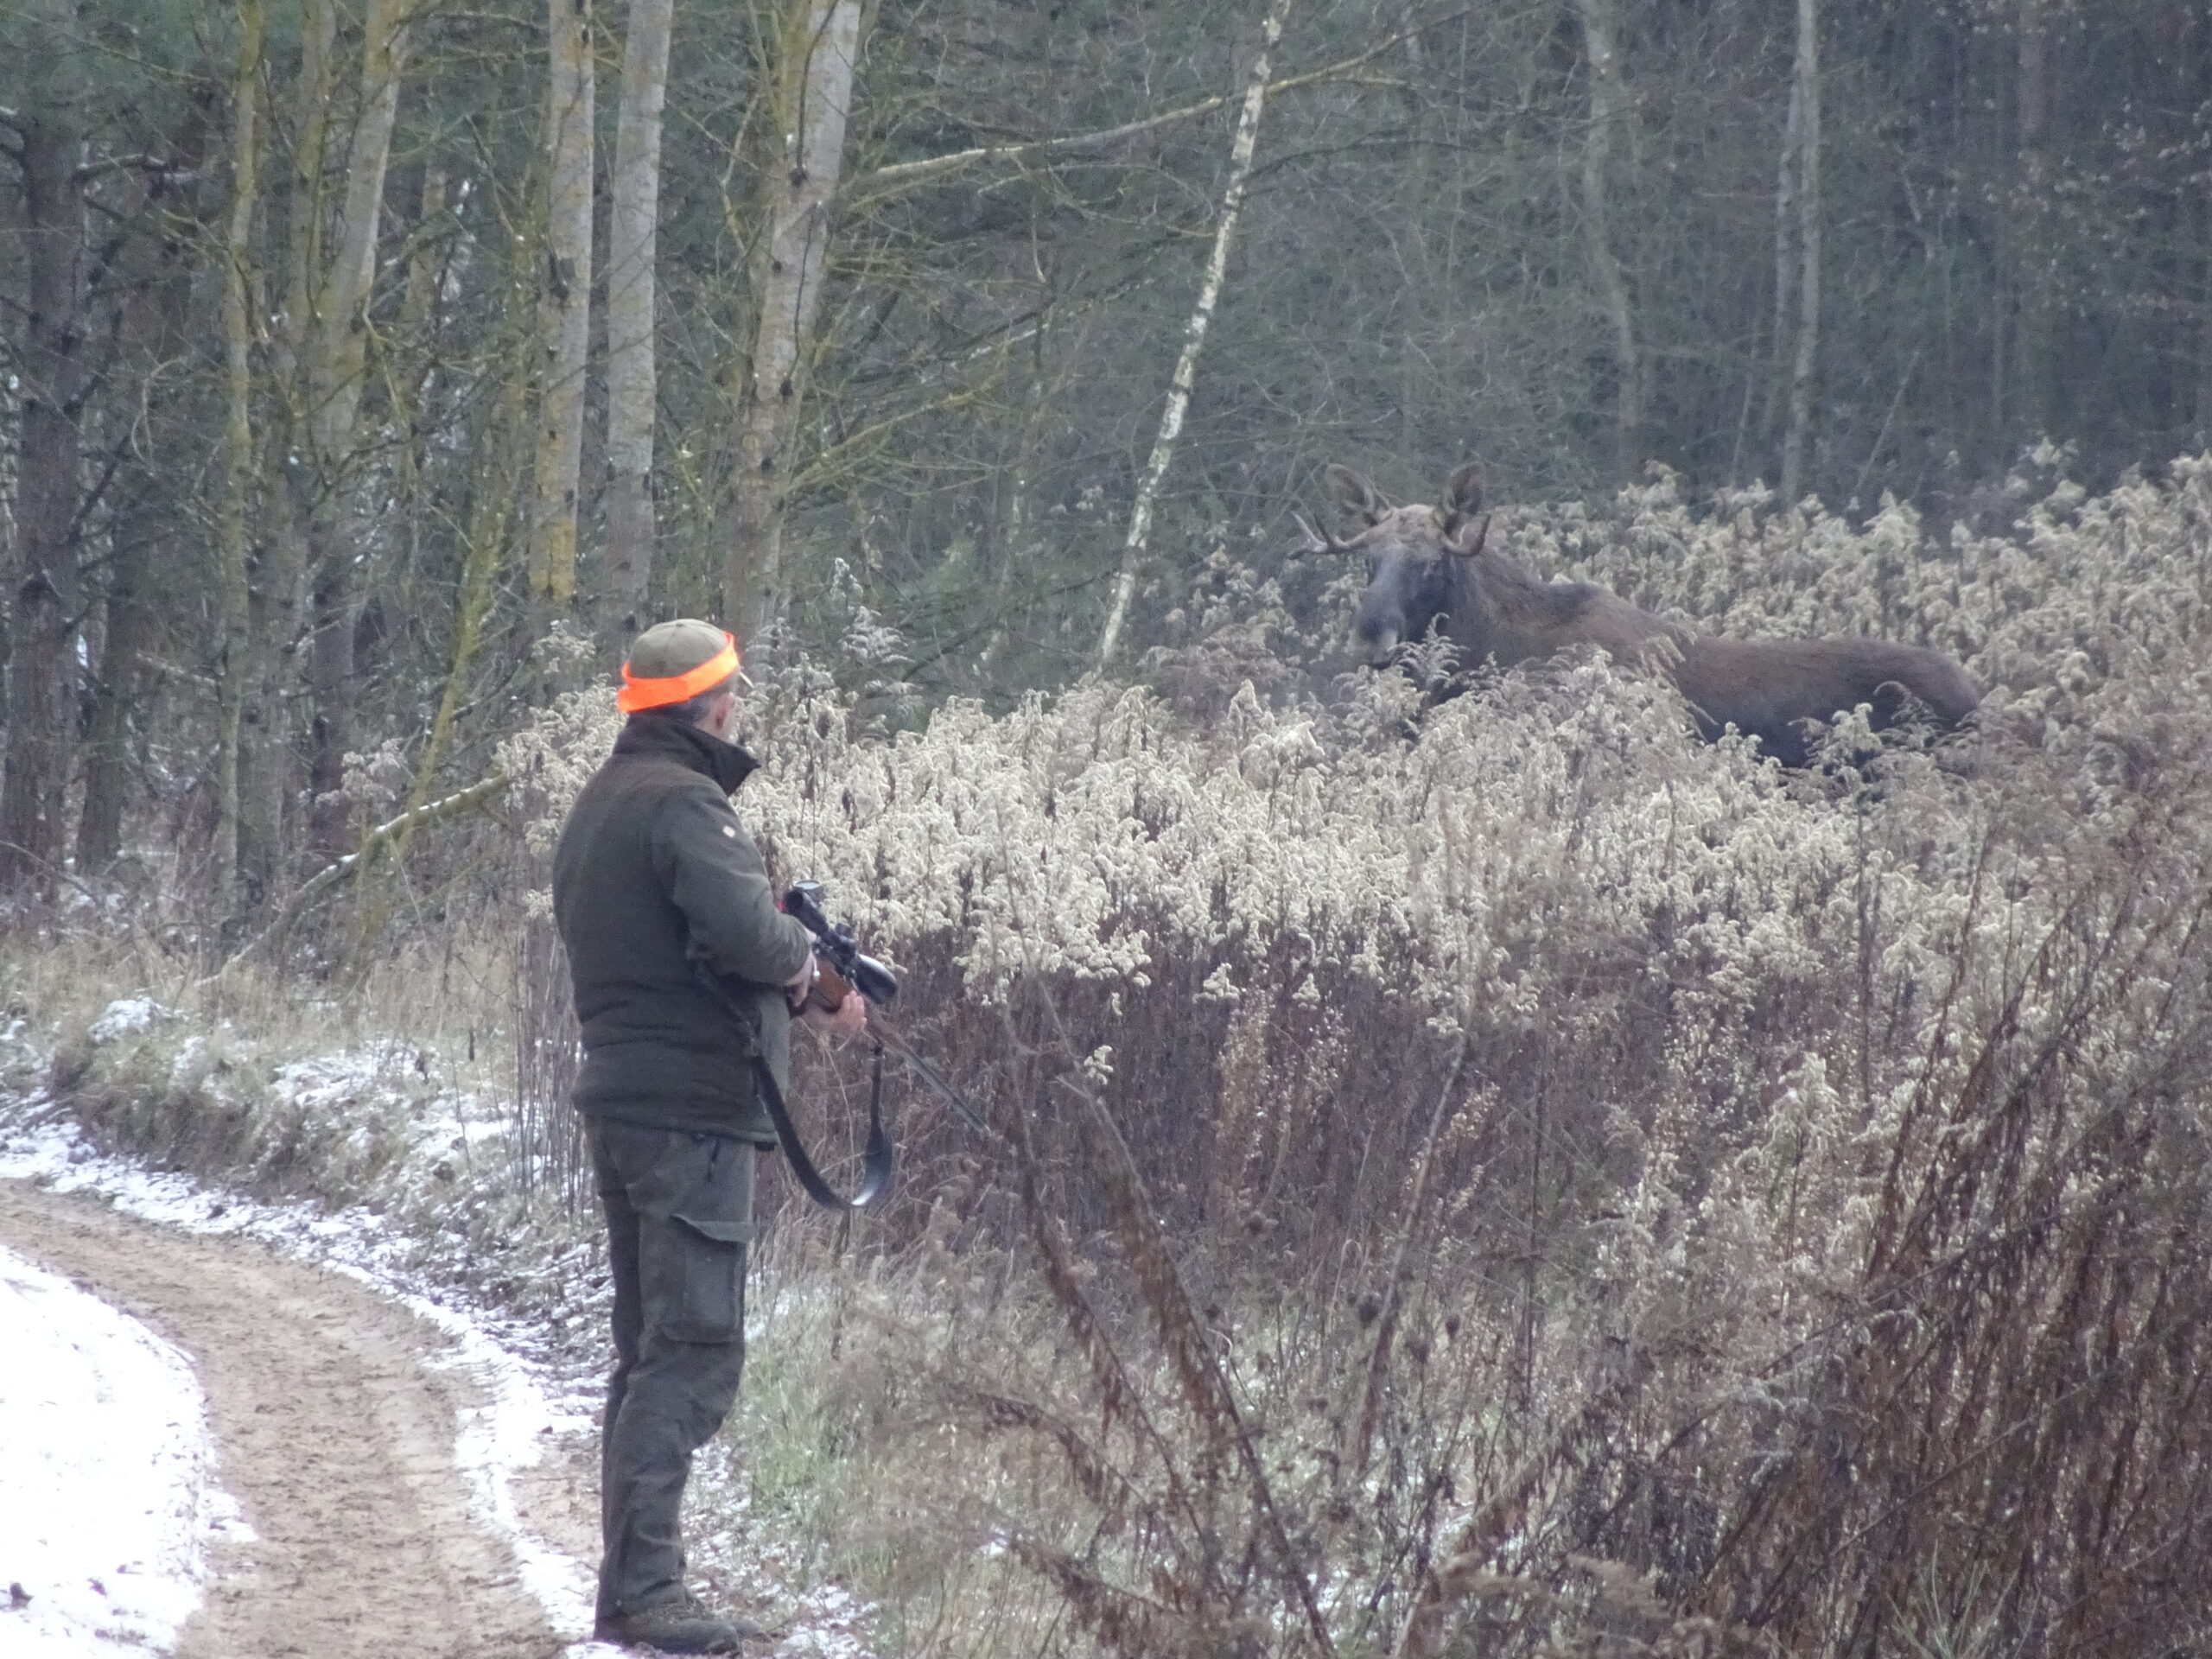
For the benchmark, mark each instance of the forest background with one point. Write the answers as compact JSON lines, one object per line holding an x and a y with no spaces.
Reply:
{"x":1487,"y":1175}
{"x":356,"y":349}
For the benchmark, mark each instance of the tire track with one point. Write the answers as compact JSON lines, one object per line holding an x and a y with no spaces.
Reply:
{"x":334,"y":1430}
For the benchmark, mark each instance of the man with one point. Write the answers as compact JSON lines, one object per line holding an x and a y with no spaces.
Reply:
{"x":686,"y":974}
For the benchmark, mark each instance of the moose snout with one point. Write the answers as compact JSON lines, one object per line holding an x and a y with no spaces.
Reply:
{"x":1376,"y":630}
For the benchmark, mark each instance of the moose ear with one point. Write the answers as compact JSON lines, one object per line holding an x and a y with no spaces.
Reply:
{"x":1463,"y":495}
{"x":1352,"y":492}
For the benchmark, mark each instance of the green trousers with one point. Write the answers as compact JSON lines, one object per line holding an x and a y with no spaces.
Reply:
{"x":679,"y":1214}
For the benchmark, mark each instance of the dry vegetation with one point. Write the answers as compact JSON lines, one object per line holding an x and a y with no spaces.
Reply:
{"x":1480,"y":1176}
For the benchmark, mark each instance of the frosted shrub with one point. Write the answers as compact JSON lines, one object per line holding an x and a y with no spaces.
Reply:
{"x":1579,"y":1144}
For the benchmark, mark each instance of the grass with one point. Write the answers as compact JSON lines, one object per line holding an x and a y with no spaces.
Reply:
{"x":1494,"y":1176}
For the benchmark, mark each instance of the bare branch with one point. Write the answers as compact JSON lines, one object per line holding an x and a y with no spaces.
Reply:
{"x":163,"y":171}
{"x":907,"y":175}
{"x":384,"y":835}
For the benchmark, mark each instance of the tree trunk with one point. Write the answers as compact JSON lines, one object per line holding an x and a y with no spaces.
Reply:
{"x":2204,"y":398}
{"x":1608,"y":116}
{"x":276,"y":572}
{"x":234,"y":654}
{"x":153,"y":270}
{"x":564,"y":312}
{"x":417,"y":334}
{"x":2031,"y":232}
{"x":43,"y":670}
{"x":1774,"y":396}
{"x":1194,"y":335}
{"x":500,"y":445}
{"x":816,"y":53}
{"x":1807,"y":92}
{"x":630,"y":378}
{"x":337,"y":354}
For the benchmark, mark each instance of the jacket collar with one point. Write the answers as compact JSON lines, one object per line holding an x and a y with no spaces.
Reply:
{"x":662,"y":738}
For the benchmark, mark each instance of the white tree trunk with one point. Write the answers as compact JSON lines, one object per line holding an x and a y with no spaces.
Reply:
{"x":1608,"y":116}
{"x":1194,"y":335}
{"x":2028,"y":222}
{"x":1808,"y":93}
{"x":817,"y":48}
{"x":564,"y":309}
{"x":1775,"y":402}
{"x":631,"y":369}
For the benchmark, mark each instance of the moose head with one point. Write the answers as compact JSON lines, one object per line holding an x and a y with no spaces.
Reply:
{"x":1411,"y":554}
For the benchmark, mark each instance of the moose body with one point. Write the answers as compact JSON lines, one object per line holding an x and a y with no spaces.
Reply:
{"x":1428,"y":568}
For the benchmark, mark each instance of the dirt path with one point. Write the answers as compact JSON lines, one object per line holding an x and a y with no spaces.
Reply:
{"x":333,"y":1433}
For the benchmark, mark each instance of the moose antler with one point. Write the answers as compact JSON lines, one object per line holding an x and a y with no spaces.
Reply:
{"x":1482,"y":534}
{"x":1319,"y":541}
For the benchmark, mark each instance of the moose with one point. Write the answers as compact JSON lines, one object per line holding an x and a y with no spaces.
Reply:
{"x":1429,"y":567}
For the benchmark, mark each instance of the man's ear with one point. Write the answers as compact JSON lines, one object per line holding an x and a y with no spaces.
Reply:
{"x":722,"y":714}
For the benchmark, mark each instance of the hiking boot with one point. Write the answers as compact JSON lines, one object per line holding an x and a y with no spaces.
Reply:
{"x":683,"y":1625}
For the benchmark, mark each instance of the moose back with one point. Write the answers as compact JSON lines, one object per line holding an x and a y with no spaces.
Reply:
{"x":1428,"y":567}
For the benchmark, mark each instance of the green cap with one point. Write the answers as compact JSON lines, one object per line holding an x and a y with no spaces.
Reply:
{"x":673,"y":661}
{"x":669,"y":648}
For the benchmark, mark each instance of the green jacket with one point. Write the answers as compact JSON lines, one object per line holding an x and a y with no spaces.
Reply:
{"x":655,"y":881}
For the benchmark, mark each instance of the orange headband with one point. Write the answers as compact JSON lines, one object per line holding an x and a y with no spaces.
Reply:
{"x":637,"y":693}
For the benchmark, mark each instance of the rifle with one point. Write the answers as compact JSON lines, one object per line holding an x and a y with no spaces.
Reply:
{"x":841,"y":970}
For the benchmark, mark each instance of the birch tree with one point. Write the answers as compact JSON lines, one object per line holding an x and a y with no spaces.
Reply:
{"x":564,"y":309}
{"x":1194,"y":334}
{"x":632,"y":377}
{"x":1773,"y":394}
{"x":816,"y":50}
{"x":1608,"y":119}
{"x":2034,"y":311}
{"x":1805,"y":100}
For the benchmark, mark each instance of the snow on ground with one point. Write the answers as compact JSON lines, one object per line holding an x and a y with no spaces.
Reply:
{"x":527,"y":1403}
{"x":496,"y":1443}
{"x":107,"y":1496}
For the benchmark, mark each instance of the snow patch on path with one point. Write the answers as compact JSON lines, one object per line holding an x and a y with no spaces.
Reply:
{"x":107,"y":1496}
{"x":497,"y":1442}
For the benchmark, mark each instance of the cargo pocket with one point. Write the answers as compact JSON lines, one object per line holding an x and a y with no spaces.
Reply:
{"x":695,"y":1206}
{"x":692,"y":1274}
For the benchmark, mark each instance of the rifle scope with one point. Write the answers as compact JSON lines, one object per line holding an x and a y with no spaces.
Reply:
{"x":871,"y":978}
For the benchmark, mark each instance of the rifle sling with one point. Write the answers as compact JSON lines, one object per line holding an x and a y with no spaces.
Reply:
{"x":878,"y":1162}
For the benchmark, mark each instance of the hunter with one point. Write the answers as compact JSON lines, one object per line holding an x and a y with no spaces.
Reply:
{"x":686,"y":974}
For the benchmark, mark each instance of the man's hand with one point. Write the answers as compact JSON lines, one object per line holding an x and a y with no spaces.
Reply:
{"x":850,"y":1020}
{"x":800,"y":986}
{"x":805,"y":991}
